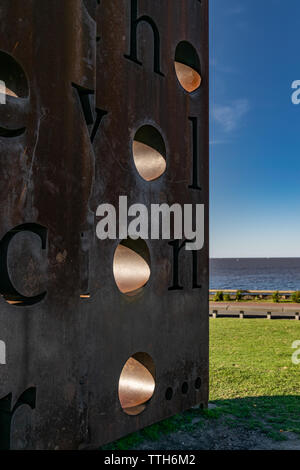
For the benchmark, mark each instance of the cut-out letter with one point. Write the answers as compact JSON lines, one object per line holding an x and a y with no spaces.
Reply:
{"x":92,"y":118}
{"x":7,"y":289}
{"x":177,"y":247}
{"x":135,"y":22}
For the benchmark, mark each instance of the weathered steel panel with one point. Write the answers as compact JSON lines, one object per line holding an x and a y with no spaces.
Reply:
{"x":82,"y":78}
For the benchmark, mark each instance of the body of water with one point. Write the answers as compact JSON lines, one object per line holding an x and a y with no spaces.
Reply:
{"x":255,"y":273}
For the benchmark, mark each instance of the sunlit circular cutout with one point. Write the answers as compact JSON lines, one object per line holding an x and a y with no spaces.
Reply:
{"x":6,"y":91}
{"x":137,"y":383}
{"x":131,"y":266}
{"x":13,"y":81}
{"x":187,"y":67}
{"x":149,"y":153}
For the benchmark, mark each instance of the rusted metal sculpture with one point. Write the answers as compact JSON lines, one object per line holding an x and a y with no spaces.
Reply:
{"x":102,"y":99}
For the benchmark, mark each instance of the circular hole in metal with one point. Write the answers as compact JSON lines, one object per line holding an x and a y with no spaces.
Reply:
{"x":198,"y":383}
{"x":187,"y":66}
{"x":149,"y":153}
{"x":169,"y":393}
{"x":184,"y":388}
{"x":131,"y":266}
{"x":137,"y":383}
{"x":13,"y":81}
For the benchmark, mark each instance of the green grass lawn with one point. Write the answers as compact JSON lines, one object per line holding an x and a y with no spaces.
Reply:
{"x":253,"y":381}
{"x":252,"y":374}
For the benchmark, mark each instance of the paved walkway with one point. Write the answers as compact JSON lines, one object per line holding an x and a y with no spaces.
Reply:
{"x":255,"y":309}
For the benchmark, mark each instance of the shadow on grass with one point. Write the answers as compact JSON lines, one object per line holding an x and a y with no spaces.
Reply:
{"x":274,"y":416}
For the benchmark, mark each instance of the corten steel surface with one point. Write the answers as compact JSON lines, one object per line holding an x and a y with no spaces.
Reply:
{"x":90,"y":358}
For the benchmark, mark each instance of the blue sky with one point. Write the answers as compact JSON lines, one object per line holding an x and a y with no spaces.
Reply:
{"x":255,"y":128}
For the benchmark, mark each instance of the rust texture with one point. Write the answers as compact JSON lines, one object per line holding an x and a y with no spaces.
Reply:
{"x":82,"y":77}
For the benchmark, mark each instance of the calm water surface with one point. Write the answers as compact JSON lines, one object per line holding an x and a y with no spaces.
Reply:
{"x":255,"y":273}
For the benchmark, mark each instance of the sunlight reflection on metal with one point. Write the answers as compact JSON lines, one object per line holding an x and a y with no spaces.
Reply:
{"x":131,"y":271}
{"x":149,"y":152}
{"x":10,"y":93}
{"x":149,"y":162}
{"x":188,"y":78}
{"x":137,"y":383}
{"x":13,"y":80}
{"x":4,"y":91}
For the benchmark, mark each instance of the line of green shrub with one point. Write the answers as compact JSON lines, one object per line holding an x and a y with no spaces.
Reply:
{"x":221,"y":297}
{"x":296,"y":297}
{"x":276,"y":297}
